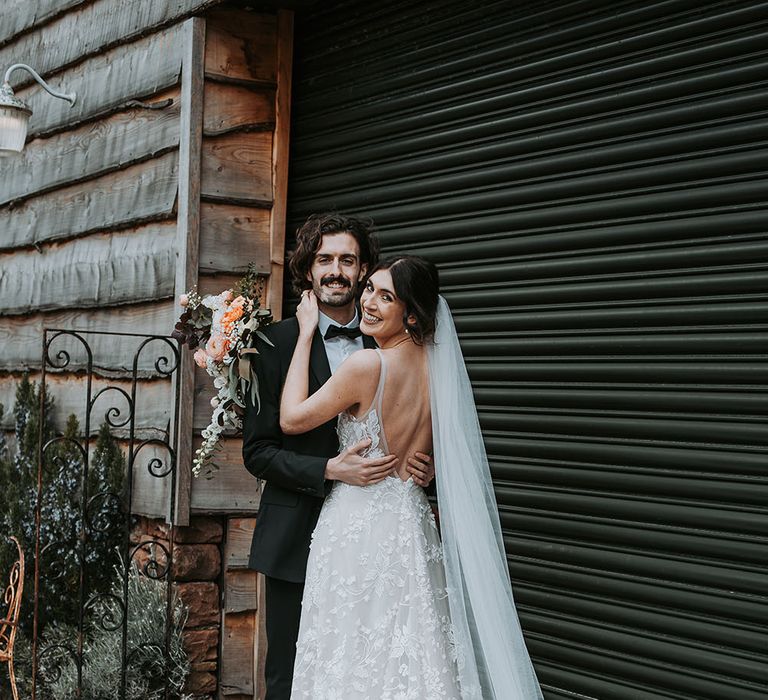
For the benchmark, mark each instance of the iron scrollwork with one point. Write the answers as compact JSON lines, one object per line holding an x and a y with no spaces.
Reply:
{"x":103,"y":512}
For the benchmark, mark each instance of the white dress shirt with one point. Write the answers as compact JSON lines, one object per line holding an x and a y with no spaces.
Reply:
{"x":339,"y":348}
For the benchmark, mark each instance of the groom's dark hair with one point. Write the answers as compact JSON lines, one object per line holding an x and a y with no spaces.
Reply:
{"x":417,"y":285}
{"x":310,"y":234}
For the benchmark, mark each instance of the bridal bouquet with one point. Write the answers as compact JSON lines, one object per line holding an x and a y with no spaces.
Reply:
{"x":222,"y":329}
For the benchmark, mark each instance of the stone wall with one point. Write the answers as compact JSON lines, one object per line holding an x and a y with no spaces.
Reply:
{"x":196,"y":576}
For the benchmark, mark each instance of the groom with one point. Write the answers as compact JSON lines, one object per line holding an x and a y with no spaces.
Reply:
{"x":332,"y":256}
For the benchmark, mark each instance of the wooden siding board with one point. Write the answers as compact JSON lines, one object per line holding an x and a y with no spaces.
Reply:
{"x":150,"y":495}
{"x":94,"y":28}
{"x":100,"y":270}
{"x":241,"y":619}
{"x":239,"y":536}
{"x":241,"y":591}
{"x":89,"y":151}
{"x":105,"y":82}
{"x":22,"y":15}
{"x":237,"y":654}
{"x":241,"y":47}
{"x":142,"y":192}
{"x":20,"y":337}
{"x":234,"y":107}
{"x":231,"y":236}
{"x":153,"y":401}
{"x":231,"y":489}
{"x":237,"y":168}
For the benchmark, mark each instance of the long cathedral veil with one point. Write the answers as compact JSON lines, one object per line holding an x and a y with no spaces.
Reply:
{"x":493,"y":661}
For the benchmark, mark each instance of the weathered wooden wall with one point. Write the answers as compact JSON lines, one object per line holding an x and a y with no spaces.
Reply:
{"x":244,"y":169}
{"x":169,"y":171}
{"x":88,"y":230}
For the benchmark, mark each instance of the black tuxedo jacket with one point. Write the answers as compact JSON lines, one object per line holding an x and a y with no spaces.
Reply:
{"x":293,"y":466}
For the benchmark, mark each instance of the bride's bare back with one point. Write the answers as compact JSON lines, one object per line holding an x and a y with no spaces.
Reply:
{"x":406,"y":417}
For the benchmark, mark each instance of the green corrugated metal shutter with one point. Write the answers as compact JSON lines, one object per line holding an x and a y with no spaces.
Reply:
{"x":590,"y":178}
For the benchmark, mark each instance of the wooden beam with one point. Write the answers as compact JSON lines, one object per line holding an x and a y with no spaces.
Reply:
{"x":89,"y":151}
{"x":188,"y":240}
{"x":280,"y":155}
{"x":20,"y":337}
{"x":100,"y":270}
{"x":106,"y":81}
{"x":94,"y":28}
{"x":139,"y":193}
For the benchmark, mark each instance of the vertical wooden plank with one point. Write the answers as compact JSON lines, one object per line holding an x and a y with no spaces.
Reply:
{"x":280,"y":150}
{"x":260,"y":643}
{"x":188,"y":236}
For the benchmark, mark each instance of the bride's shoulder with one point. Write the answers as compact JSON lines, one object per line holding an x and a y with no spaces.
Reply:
{"x":362,"y":361}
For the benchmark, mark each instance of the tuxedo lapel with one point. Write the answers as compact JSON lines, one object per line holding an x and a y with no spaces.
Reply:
{"x":318,"y":360}
{"x":369,"y":343}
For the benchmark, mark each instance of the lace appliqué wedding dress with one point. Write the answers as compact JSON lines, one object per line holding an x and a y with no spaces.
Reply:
{"x":375,"y":622}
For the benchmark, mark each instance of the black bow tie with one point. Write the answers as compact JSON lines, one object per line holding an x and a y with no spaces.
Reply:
{"x":336,"y":331}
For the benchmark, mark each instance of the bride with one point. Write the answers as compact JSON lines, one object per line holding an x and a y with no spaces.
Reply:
{"x":389,"y":611}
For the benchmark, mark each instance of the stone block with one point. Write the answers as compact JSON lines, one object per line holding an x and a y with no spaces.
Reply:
{"x":201,"y":646}
{"x":200,"y":682}
{"x":202,"y":529}
{"x":196,"y":562}
{"x":202,"y":601}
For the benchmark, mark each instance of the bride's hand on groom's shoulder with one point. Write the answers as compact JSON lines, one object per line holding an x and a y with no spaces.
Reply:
{"x":421,"y":468}
{"x":307,"y":313}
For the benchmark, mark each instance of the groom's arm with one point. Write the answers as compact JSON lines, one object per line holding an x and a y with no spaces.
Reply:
{"x":263,"y":452}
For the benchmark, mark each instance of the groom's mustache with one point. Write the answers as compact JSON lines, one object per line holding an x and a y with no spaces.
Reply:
{"x":341,"y":280}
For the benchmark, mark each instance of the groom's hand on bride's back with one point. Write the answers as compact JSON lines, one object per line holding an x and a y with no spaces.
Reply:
{"x":421,"y":469}
{"x":351,"y":468}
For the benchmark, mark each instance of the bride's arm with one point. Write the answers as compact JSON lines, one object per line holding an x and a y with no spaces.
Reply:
{"x":299,"y":412}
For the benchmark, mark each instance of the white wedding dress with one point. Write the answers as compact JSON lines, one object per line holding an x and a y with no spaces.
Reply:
{"x":375,"y":623}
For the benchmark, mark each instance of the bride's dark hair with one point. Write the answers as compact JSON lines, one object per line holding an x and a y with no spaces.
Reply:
{"x":417,"y":285}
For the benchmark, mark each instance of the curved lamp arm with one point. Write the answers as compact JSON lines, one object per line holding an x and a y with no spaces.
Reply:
{"x":69,"y":97}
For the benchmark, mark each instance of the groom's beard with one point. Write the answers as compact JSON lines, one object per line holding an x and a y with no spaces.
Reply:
{"x":340,"y":296}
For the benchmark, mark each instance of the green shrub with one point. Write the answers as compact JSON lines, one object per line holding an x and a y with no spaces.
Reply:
{"x":149,"y":669}
{"x":61,"y":516}
{"x":60,"y":536}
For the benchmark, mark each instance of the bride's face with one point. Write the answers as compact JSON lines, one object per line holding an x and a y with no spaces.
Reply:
{"x":382,"y":311}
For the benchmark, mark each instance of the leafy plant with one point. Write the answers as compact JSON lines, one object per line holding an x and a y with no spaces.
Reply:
{"x":148,"y":668}
{"x":61,"y":515}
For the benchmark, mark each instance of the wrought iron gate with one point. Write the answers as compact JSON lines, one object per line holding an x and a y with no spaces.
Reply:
{"x":82,"y":510}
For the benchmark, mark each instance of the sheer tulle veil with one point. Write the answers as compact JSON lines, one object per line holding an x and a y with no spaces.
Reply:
{"x":493,"y":660}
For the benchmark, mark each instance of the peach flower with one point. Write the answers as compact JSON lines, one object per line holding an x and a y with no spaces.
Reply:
{"x":200,"y":357}
{"x":184,"y":299}
{"x":217,"y":347}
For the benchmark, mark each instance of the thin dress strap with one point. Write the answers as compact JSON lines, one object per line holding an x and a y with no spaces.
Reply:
{"x":378,"y":398}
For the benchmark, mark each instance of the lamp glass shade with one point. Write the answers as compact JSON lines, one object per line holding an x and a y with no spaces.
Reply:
{"x":13,"y":129}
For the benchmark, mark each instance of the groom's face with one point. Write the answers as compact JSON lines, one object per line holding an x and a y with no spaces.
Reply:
{"x":336,"y":270}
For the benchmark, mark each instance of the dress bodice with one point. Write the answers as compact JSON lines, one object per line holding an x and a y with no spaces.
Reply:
{"x":351,"y":430}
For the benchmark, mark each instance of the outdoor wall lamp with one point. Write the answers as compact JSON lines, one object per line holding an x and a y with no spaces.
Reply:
{"x":14,"y":114}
